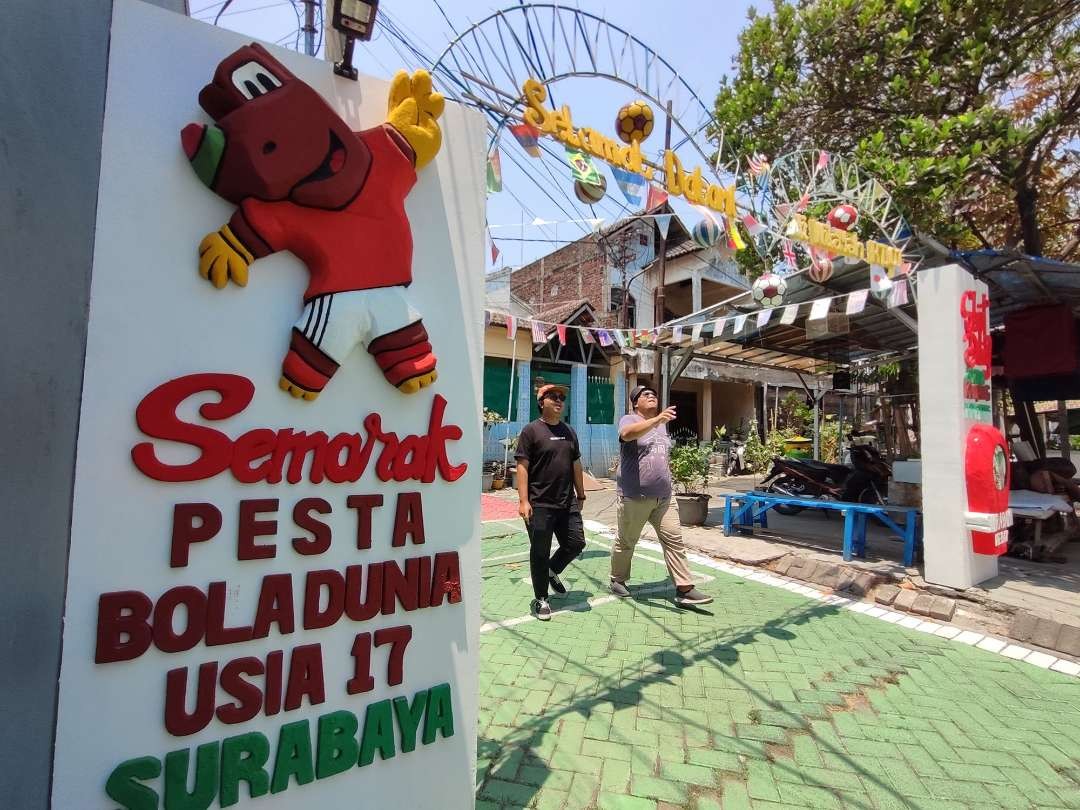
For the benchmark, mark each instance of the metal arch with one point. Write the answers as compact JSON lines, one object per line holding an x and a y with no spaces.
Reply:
{"x":576,"y":43}
{"x":775,"y":195}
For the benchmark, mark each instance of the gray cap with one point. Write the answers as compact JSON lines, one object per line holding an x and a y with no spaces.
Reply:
{"x":638,"y":390}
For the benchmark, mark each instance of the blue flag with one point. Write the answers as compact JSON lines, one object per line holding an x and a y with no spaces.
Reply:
{"x":630,"y":184}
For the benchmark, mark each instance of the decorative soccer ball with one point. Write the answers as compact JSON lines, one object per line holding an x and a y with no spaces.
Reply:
{"x":769,"y":290}
{"x":634,"y":121}
{"x":706,"y":233}
{"x":821,"y":266}
{"x":843,"y":217}
{"x":590,"y":193}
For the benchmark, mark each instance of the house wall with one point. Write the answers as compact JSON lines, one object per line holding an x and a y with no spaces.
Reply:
{"x":497,"y":344}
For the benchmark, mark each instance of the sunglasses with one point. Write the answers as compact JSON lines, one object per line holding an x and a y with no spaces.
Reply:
{"x":556,"y":397}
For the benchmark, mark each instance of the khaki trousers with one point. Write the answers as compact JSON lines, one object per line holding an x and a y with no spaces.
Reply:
{"x":663,"y":514}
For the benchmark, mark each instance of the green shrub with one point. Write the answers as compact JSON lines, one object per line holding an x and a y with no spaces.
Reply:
{"x":689,"y":465}
{"x":759,"y":455}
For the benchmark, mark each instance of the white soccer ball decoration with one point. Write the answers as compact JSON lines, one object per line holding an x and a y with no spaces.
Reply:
{"x":769,"y":290}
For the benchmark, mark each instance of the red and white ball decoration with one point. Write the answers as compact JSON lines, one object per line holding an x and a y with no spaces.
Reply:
{"x":769,"y":290}
{"x":821,"y":266}
{"x":843,"y":217}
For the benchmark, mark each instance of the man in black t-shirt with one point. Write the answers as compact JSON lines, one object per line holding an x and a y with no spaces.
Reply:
{"x":550,"y":488}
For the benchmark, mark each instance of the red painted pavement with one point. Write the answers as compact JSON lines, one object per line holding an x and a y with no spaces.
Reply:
{"x":493,"y":507}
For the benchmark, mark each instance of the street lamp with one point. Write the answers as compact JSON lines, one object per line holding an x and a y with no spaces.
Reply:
{"x":356,"y":20}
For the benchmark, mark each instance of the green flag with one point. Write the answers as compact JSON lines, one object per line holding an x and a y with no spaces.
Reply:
{"x":584,"y":169}
{"x":494,"y":172}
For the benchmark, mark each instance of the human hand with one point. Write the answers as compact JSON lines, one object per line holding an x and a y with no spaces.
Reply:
{"x":413,"y":110}
{"x":525,"y":511}
{"x":666,"y":415}
{"x":222,"y":258}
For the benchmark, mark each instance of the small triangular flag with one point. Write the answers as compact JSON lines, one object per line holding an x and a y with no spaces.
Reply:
{"x":791,"y":312}
{"x":695,"y":333}
{"x":856,"y":302}
{"x":676,"y":334}
{"x":898,"y":296}
{"x":511,"y":326}
{"x":657,"y":197}
{"x":721,"y":324}
{"x":587,"y":335}
{"x":538,"y":335}
{"x":663,"y":222}
{"x":605,"y":337}
{"x":740,"y":322}
{"x":494,"y":172}
{"x":763,"y":318}
{"x":820,"y":308}
{"x":561,"y":329}
{"x":494,"y":252}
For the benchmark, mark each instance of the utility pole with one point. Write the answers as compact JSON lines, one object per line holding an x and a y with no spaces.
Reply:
{"x":659,"y":315}
{"x":309,"y":27}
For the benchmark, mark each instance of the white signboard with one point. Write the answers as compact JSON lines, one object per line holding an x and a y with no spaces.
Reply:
{"x":273,"y":600}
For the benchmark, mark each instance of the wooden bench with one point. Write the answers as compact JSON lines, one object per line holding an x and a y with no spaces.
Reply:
{"x":747,"y":509}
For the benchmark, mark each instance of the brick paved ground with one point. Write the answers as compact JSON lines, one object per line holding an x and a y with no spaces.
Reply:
{"x":765,"y":699}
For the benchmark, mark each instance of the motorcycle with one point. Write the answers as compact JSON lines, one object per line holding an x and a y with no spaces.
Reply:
{"x":737,"y":458}
{"x":864,"y":482}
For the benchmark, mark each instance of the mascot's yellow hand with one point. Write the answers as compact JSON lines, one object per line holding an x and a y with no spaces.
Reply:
{"x":223,"y":257}
{"x":413,"y":110}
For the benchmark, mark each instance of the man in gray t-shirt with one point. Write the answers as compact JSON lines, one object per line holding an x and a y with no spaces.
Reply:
{"x":644,"y":496}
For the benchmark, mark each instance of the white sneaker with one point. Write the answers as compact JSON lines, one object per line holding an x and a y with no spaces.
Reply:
{"x":541,"y":609}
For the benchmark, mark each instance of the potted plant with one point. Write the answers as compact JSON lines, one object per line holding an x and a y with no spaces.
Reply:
{"x":488,"y":475}
{"x":510,"y":443}
{"x":689,"y":464}
{"x":498,"y":475}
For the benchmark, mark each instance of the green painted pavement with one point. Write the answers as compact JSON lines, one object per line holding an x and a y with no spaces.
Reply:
{"x":763,"y":699}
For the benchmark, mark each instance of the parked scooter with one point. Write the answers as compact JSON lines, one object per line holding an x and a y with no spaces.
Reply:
{"x":737,"y":457}
{"x":866,"y":481}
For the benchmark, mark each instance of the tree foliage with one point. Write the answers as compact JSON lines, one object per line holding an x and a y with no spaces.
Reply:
{"x":968,"y":110}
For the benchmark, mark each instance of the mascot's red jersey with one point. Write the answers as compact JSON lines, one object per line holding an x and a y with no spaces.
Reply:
{"x":366,"y":244}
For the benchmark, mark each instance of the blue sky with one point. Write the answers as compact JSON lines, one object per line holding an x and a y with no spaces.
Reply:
{"x":698,"y":39}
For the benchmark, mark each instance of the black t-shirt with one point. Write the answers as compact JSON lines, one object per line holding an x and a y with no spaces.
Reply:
{"x":551,"y":451}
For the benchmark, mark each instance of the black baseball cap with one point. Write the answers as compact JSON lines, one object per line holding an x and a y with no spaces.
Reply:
{"x":638,"y":390}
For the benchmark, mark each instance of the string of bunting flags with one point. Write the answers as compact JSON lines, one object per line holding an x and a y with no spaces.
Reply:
{"x":816,"y":309}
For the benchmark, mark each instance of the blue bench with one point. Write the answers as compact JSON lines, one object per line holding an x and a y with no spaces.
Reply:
{"x":751,"y":508}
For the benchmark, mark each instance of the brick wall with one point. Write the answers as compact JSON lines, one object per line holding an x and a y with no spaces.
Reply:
{"x":573,"y":272}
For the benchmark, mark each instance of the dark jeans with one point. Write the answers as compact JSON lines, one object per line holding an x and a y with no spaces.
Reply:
{"x":568,"y":529}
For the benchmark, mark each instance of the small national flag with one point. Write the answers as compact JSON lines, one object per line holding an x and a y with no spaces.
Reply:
{"x":538,"y":335}
{"x":822,"y":160}
{"x":856,"y":302}
{"x":583,"y":168}
{"x":511,"y":326}
{"x":763,"y":318}
{"x":587,"y":336}
{"x":620,"y":337}
{"x":735,"y":241}
{"x":820,"y":308}
{"x":898,"y":296}
{"x":791,"y":312}
{"x":740,"y":322}
{"x":753,"y":227}
{"x":605,"y":338}
{"x":695,"y":333}
{"x":494,"y":252}
{"x":718,"y":326}
{"x":789,"y":254}
{"x":676,"y":334}
{"x":905,"y":268}
{"x":528,"y":136}
{"x":630,"y":184}
{"x":758,"y":164}
{"x":494,"y":172}
{"x":880,"y":283}
{"x":561,"y":329}
{"x":657,"y":197}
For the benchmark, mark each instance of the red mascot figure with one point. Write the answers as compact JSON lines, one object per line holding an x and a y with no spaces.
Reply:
{"x":304,"y":182}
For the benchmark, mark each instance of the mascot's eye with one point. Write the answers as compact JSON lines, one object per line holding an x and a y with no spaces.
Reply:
{"x":254,"y":80}
{"x":269,"y":147}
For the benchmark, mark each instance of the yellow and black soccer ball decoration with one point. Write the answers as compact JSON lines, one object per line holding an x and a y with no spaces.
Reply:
{"x":634,"y":121}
